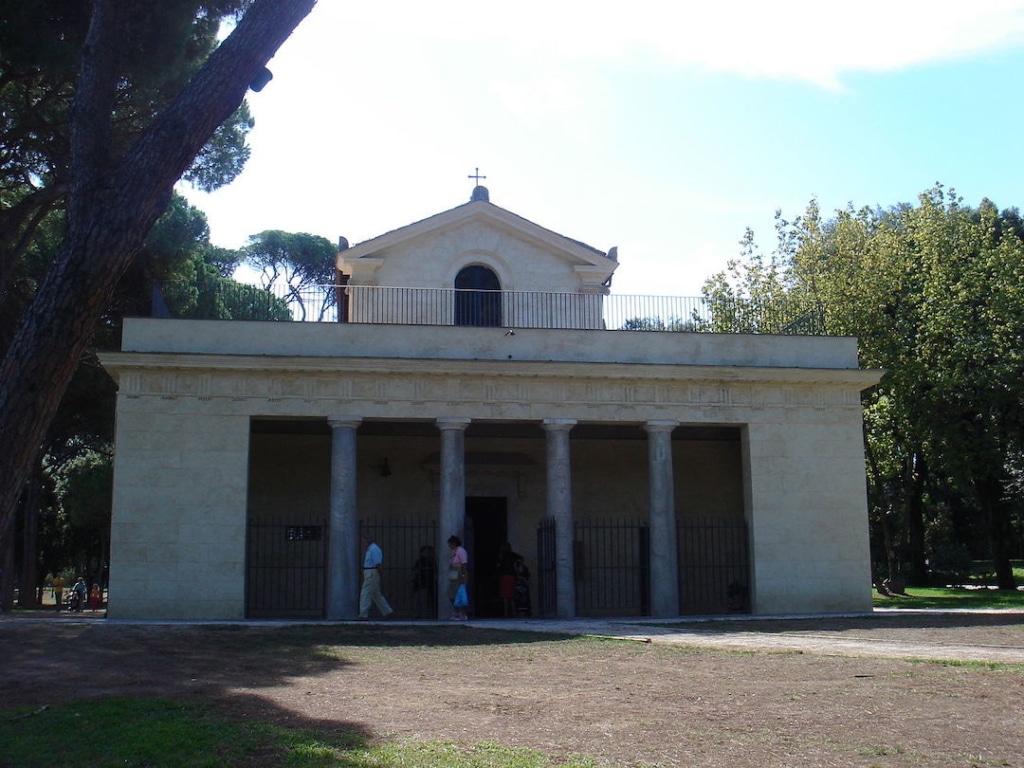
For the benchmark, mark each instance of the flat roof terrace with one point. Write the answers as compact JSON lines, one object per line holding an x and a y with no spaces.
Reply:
{"x":528,"y":327}
{"x":497,"y":344}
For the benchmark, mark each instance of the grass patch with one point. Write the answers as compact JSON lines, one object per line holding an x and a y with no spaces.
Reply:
{"x":156,"y":733}
{"x":941,"y":597}
{"x":991,"y":666}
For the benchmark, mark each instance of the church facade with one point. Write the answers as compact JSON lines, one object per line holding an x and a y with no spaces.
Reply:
{"x":470,"y":382}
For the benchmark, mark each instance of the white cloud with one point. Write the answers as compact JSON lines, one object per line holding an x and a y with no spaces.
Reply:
{"x":812,"y":40}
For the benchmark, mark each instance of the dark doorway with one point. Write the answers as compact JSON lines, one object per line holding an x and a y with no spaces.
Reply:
{"x":477,"y":297}
{"x":486,"y":531}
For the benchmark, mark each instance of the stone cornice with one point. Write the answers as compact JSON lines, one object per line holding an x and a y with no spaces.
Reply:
{"x":119,"y":363}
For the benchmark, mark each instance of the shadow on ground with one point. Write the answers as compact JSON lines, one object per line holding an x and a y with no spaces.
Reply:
{"x":260,"y":674}
{"x":64,"y":660}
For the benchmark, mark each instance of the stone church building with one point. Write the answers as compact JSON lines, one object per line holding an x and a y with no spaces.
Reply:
{"x":474,"y":375}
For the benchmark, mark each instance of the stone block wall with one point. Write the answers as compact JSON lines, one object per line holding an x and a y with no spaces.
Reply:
{"x":177,"y":540}
{"x":807,"y":511}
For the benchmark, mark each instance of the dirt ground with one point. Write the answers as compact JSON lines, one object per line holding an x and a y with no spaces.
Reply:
{"x":625,"y":702}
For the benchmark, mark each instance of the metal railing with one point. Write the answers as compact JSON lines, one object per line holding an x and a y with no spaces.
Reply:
{"x":393,"y":305}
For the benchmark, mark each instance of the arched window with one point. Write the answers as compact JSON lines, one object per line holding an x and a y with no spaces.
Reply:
{"x":477,"y":297}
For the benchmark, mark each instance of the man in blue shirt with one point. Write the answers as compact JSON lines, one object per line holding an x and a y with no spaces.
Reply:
{"x":373,"y":558}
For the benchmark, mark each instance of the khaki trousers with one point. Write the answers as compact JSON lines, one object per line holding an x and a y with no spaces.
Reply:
{"x":371,"y":593}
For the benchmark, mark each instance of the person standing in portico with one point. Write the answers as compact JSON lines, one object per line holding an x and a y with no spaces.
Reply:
{"x":373,"y":559}
{"x":458,"y":563}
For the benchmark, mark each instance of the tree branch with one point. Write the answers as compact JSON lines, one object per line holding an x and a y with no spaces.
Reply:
{"x":44,"y":201}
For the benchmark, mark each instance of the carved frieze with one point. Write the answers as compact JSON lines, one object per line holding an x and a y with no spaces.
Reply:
{"x":438,"y":388}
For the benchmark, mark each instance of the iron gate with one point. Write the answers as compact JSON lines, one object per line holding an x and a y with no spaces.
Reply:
{"x":285,"y":570}
{"x":612,"y":568}
{"x":714,"y":565}
{"x":408,"y":576}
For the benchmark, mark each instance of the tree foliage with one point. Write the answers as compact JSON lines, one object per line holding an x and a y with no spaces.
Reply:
{"x":934,"y":292}
{"x":163,"y":45}
{"x":131,"y":130}
{"x":83,"y":485}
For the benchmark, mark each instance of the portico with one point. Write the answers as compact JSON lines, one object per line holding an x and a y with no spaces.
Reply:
{"x":345,"y":512}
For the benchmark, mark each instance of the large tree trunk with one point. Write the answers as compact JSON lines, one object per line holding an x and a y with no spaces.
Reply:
{"x":1000,"y":533}
{"x":112,"y":203}
{"x":881,"y":502}
{"x":915,"y":476}
{"x":29,"y":540}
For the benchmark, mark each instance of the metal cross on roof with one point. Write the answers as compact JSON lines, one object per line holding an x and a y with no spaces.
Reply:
{"x":476,"y":175}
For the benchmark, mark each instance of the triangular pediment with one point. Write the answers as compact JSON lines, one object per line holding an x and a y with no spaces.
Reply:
{"x":578,"y":256}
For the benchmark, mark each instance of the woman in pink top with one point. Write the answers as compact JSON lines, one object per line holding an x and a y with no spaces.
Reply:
{"x":456,"y":574}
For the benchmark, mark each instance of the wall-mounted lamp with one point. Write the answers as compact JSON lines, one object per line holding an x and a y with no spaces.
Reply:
{"x":384,"y":468}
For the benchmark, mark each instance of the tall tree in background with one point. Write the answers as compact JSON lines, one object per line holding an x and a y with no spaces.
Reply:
{"x":934,"y":294}
{"x":114,"y":193}
{"x":299,"y":264}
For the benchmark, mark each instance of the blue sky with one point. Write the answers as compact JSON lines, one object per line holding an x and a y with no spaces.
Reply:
{"x":660,"y":128}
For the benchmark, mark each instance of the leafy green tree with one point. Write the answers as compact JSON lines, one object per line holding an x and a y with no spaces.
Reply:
{"x":198,"y":290}
{"x":933,"y":293}
{"x":83,"y":486}
{"x":754,"y":294}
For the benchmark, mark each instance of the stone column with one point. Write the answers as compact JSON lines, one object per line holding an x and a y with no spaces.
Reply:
{"x":451,"y":517}
{"x":559,"y":493}
{"x":664,"y":556}
{"x":343,"y":555}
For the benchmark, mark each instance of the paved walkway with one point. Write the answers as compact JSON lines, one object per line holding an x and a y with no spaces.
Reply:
{"x":827,"y":643}
{"x":752,"y":633}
